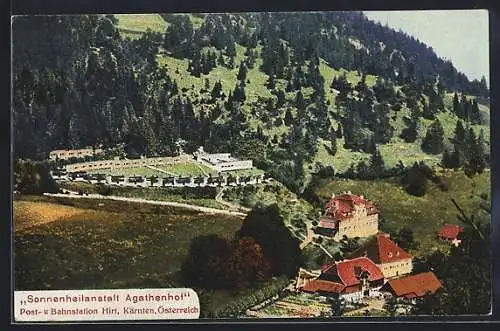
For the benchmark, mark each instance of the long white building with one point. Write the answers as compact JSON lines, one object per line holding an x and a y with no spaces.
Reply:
{"x":221,"y":161}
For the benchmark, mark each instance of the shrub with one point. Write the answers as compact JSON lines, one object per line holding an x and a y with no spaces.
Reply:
{"x":104,"y":190}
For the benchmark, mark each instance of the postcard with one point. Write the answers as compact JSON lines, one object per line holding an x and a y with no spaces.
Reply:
{"x":249,"y":166}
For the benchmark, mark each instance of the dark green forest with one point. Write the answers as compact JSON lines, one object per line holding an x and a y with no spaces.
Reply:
{"x":81,"y":81}
{"x":78,"y":82}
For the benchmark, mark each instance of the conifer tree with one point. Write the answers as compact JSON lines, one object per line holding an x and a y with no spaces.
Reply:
{"x":476,"y":154}
{"x":231,"y":50}
{"x":242,"y":73}
{"x":333,"y":148}
{"x":271,"y":84}
{"x":457,"y":107}
{"x":377,"y":164}
{"x":451,"y":159}
{"x":338,"y":132}
{"x":475,"y":113}
{"x":280,"y":98}
{"x":433,"y":142}
{"x":288,"y":117}
{"x":466,"y":108}
{"x":230,"y":63}
{"x":220,"y":60}
{"x":410,"y":133}
{"x":217,"y":89}
{"x":300,"y":103}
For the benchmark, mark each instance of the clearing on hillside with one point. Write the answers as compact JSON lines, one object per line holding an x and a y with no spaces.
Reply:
{"x":423,"y":215}
{"x":110,"y":245}
{"x":134,"y":25}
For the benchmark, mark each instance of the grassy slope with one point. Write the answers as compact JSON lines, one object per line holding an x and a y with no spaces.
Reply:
{"x":159,"y":194}
{"x":133,"y":25}
{"x":136,"y":171}
{"x":424,"y":215}
{"x":190,"y":169}
{"x":393,"y":152}
{"x":291,"y":207}
{"x":110,"y":245}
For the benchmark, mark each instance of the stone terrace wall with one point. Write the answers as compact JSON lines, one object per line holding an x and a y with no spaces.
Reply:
{"x":64,"y":154}
{"x":120,"y":164}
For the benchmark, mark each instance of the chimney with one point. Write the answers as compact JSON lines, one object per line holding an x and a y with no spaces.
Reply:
{"x":349,"y":192}
{"x":333,"y":195}
{"x":365,"y":253}
{"x":362,"y":197}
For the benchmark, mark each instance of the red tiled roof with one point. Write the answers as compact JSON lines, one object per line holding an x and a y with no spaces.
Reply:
{"x":450,"y":231}
{"x":319,"y":285}
{"x":415,"y":285}
{"x":327,"y":223}
{"x":380,"y":250}
{"x":340,"y":206}
{"x":347,"y":271}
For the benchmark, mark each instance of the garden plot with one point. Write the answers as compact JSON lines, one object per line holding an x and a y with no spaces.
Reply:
{"x":295,"y":306}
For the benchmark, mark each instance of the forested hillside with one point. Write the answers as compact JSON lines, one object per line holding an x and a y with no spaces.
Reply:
{"x":291,"y":91}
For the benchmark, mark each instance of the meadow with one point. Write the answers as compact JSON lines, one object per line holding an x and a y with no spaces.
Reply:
{"x":423,"y":215}
{"x":151,"y":193}
{"x":188,"y":169}
{"x":87,"y":244}
{"x":134,"y":25}
{"x":109,"y":244}
{"x":135,"y":171}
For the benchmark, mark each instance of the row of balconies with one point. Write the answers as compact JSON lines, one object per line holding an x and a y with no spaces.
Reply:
{"x":152,"y":181}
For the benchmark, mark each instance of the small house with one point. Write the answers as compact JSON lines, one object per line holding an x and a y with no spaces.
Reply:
{"x":389,"y":257}
{"x":414,"y":286}
{"x":451,"y":233}
{"x":350,"y":280}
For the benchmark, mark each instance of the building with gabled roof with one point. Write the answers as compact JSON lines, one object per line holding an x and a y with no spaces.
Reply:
{"x":348,"y":215}
{"x":451,"y":233}
{"x":414,"y":286}
{"x":392,"y":260}
{"x":349,"y":279}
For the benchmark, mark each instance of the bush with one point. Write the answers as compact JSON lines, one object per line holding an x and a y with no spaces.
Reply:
{"x":104,"y":190}
{"x":267,"y":227}
{"x":33,"y":178}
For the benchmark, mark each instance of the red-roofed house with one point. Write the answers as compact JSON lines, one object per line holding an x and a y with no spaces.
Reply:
{"x":451,"y":233}
{"x":348,"y":215}
{"x":389,"y":257}
{"x":350,"y":279}
{"x":413,"y":286}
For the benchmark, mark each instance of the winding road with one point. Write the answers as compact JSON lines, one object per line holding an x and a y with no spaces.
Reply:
{"x":228,"y":204}
{"x":308,"y":239}
{"x":151,"y":202}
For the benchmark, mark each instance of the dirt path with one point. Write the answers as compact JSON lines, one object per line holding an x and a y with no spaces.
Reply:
{"x":228,"y":204}
{"x":152,"y":202}
{"x":160,"y":170}
{"x":309,"y":237}
{"x":201,"y":169}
